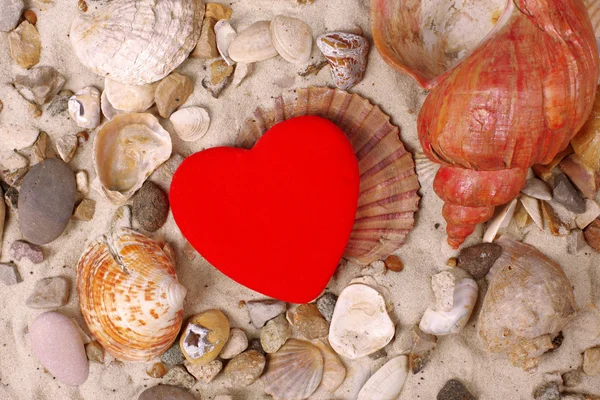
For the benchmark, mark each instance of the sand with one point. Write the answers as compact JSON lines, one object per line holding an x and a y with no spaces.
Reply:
{"x":489,"y":377}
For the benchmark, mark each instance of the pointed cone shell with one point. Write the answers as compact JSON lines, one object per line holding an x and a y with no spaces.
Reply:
{"x":292,"y":38}
{"x":529,"y":301}
{"x":387,"y":382}
{"x":347,"y":54}
{"x":190,"y":123}
{"x":388,"y":184}
{"x":137,"y":41}
{"x":129,"y":295}
{"x":294,"y":371}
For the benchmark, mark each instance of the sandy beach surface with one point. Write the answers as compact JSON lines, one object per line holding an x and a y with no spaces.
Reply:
{"x":488,"y":377}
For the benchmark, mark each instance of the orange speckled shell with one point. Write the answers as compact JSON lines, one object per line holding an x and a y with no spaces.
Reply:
{"x":129,"y":295}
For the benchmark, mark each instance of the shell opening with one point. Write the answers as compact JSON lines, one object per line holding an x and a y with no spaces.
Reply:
{"x":196,"y":341}
{"x":175,"y":295}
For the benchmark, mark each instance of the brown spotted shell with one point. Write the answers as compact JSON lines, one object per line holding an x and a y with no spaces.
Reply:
{"x":129,"y":295}
{"x":388,"y":196}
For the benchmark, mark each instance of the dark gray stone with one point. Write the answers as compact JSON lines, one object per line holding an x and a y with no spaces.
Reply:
{"x":173,"y":356}
{"x":454,"y":390}
{"x":477,"y":260}
{"x":565,"y":193}
{"x":166,"y":392}
{"x":151,"y":207}
{"x":326,"y":305}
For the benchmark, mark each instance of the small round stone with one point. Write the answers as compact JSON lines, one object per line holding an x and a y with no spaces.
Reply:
{"x":238,"y":342}
{"x":151,"y":207}
{"x":158,"y":370}
{"x":394,"y":263}
{"x":164,"y":392}
{"x":244,"y":369}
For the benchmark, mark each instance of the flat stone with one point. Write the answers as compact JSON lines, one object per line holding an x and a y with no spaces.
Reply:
{"x":56,"y":343}
{"x":9,"y":274}
{"x":10,"y":15}
{"x":178,"y":376}
{"x":151,"y":206}
{"x":238,"y":342}
{"x":25,"y":45}
{"x":46,"y":201}
{"x":244,"y":369}
{"x":547,"y":392}
{"x":275,"y":333}
{"x":66,"y":146}
{"x":454,"y":390}
{"x":261,"y":311}
{"x":173,"y":356}
{"x":538,"y":189}
{"x":309,"y":322}
{"x":21,"y":249}
{"x":477,"y":260}
{"x":39,"y":85}
{"x":172,"y":92}
{"x":572,"y":378}
{"x":49,"y":293}
{"x":165,"y":392}
{"x":591,"y":361}
{"x":326,"y":305}
{"x":592,"y":211}
{"x":95,"y":352}
{"x":204,"y":373}
{"x":85,"y":210}
{"x":565,"y":193}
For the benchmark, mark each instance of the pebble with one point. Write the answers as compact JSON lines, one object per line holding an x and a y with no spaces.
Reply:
{"x":204,"y":373}
{"x":151,"y":206}
{"x":25,"y":45}
{"x":46,"y":201}
{"x":572,"y":378}
{"x":95,"y":352}
{"x":173,"y":356}
{"x":10,"y":15}
{"x":537,"y":189}
{"x":158,"y":370}
{"x":172,"y":92}
{"x":30,"y":16}
{"x":9,"y":274}
{"x":244,"y":369}
{"x":454,"y":390}
{"x":66,"y":146}
{"x":39,"y":150}
{"x":326,"y":305}
{"x":255,"y":344}
{"x":165,"y":392}
{"x":49,"y":293}
{"x":21,"y":249}
{"x":238,"y":342}
{"x":178,"y":376}
{"x":85,"y":210}
{"x":60,"y":103}
{"x":591,"y":361}
{"x":477,"y":260}
{"x":394,"y":263}
{"x":218,"y":78}
{"x":565,"y":193}
{"x":57,"y":345}
{"x":547,"y":392}
{"x":592,"y":211}
{"x":39,"y":85}
{"x":261,"y":311}
{"x":275,"y":333}
{"x":82,"y":182}
{"x":592,"y":235}
{"x":309,"y":322}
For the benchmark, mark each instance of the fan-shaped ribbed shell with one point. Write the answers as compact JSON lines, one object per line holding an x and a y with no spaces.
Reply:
{"x":129,"y":295}
{"x":190,"y":123}
{"x":137,"y":41}
{"x":294,"y":372}
{"x":292,"y":38}
{"x":388,"y":183}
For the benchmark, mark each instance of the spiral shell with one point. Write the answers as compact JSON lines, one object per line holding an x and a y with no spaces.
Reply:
{"x":129,"y":295}
{"x":388,"y":195}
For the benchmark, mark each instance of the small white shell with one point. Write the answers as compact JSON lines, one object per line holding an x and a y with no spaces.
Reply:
{"x":253,"y":44}
{"x":190,"y":123}
{"x":292,"y":38}
{"x":84,"y":107}
{"x":501,"y":220}
{"x":387,"y":382}
{"x":534,"y":209}
{"x":129,"y":98}
{"x":225,"y":35}
{"x":108,"y":110}
{"x":360,"y":324}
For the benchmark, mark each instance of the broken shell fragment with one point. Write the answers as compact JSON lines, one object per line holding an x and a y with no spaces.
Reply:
{"x":66,"y":146}
{"x":190,"y":123}
{"x":84,"y":107}
{"x":108,"y":110}
{"x":501,"y":220}
{"x":253,"y":44}
{"x":533,"y":208}
{"x":387,"y":382}
{"x":580,"y":174}
{"x":204,"y":337}
{"x":224,"y":35}
{"x":129,"y":98}
{"x":347,"y":54}
{"x":556,"y":225}
{"x":292,"y":38}
{"x":25,"y":45}
{"x":242,"y":70}
{"x":538,"y":189}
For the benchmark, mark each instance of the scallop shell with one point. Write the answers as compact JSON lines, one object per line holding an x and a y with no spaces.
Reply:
{"x":137,"y":41}
{"x":294,"y":372}
{"x":388,"y":185}
{"x":224,"y":35}
{"x":129,"y":295}
{"x":360,"y":324}
{"x":190,"y":123}
{"x":126,"y":151}
{"x":129,"y":98}
{"x":292,"y":38}
{"x":334,"y":371}
{"x":387,"y":382}
{"x":347,"y":54}
{"x":84,"y":107}
{"x":529,"y":301}
{"x":253,"y":44}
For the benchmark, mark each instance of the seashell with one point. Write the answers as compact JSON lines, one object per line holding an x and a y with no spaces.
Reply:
{"x":334,"y":371}
{"x":84,"y":108}
{"x":204,"y":337}
{"x":137,"y":41}
{"x":534,"y":210}
{"x":426,"y":170}
{"x":129,"y":98}
{"x":292,"y":38}
{"x":126,"y":151}
{"x":528,"y":302}
{"x":387,"y":382}
{"x":580,"y":174}
{"x":242,"y":70}
{"x":190,"y":123}
{"x":456,"y":294}
{"x":129,"y":295}
{"x":108,"y":110}
{"x":501,"y":220}
{"x":347,"y":54}
{"x":388,"y":185}
{"x":253,"y":44}
{"x":293,"y":372}
{"x":586,"y":143}
{"x":360,"y":324}
{"x":224,"y":35}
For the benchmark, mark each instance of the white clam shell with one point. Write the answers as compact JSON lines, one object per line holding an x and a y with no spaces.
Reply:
{"x":292,"y":38}
{"x":360,"y":324}
{"x":126,"y":151}
{"x":387,"y":382}
{"x":253,"y":44}
{"x":225,"y":35}
{"x":137,"y":41}
{"x":129,"y":98}
{"x":84,"y":107}
{"x":190,"y":123}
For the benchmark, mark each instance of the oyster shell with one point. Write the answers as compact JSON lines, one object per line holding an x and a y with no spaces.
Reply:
{"x":137,"y":41}
{"x":129,"y":98}
{"x":387,"y":382}
{"x":529,"y":301}
{"x":347,"y":54}
{"x":292,"y":38}
{"x":204,"y":337}
{"x":84,"y":107}
{"x":388,"y":185}
{"x":126,"y":151}
{"x":129,"y":295}
{"x":190,"y":123}
{"x":253,"y":44}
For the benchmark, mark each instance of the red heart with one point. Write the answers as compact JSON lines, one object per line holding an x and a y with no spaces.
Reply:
{"x":276,"y":218}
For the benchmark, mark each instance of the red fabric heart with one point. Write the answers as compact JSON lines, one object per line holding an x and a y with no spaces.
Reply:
{"x":275,"y":218}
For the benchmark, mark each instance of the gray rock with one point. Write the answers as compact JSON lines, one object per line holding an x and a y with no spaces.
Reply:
{"x":10,"y":15}
{"x":454,"y":390}
{"x":565,"y":193}
{"x":275,"y":333}
{"x":9,"y":274}
{"x":173,"y":356}
{"x":547,"y":392}
{"x":178,"y":376}
{"x":326,"y":305}
{"x":59,"y":104}
{"x":46,"y":201}
{"x":165,"y":392}
{"x":39,"y":85}
{"x":151,"y":206}
{"x":572,"y":378}
{"x":49,"y":293}
{"x":21,"y":249}
{"x":477,"y":260}
{"x":538,"y":189}
{"x":261,"y":311}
